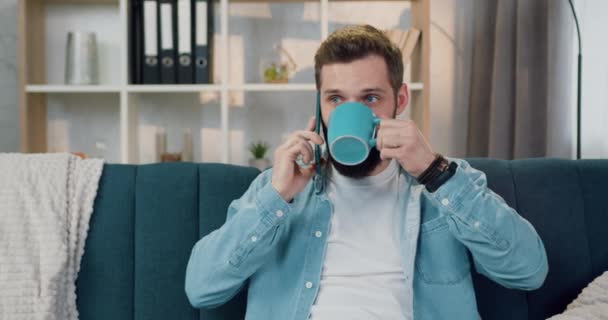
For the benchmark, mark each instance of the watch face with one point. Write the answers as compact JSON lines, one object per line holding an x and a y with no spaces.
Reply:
{"x":443,"y":165}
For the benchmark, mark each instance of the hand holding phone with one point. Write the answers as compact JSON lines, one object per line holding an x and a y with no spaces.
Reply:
{"x":289,"y":178}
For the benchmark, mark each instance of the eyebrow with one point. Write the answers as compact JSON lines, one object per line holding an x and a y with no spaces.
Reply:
{"x":366,"y":90}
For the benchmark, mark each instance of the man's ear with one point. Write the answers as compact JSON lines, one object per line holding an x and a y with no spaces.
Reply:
{"x":403,"y":98}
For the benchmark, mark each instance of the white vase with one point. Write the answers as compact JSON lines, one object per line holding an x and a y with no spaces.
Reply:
{"x":261,"y":164}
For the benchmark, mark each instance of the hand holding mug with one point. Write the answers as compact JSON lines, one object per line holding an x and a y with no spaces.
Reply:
{"x":403,"y":141}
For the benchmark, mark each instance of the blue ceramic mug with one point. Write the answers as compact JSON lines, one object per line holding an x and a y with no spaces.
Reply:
{"x":351,"y":133}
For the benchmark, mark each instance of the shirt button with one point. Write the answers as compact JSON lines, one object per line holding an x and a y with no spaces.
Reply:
{"x":476,"y":224}
{"x":280,"y":213}
{"x":308,"y":284}
{"x":318,"y":234}
{"x":445,"y":201}
{"x":254,"y":239}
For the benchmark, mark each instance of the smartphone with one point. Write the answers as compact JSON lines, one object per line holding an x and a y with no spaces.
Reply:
{"x":316,"y":148}
{"x":318,"y":182}
{"x":317,"y":154}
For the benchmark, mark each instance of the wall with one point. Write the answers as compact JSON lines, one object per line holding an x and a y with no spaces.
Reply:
{"x":592,"y":18}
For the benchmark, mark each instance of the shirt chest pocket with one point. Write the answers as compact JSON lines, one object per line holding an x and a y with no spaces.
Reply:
{"x":440,"y":258}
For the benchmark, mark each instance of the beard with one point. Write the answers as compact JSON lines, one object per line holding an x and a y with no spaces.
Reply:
{"x":357,"y":171}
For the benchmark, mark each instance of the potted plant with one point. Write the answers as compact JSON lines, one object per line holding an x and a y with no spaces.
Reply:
{"x":275,"y":70}
{"x":258,"y":152}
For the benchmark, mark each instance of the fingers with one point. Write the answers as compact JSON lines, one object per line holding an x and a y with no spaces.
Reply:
{"x":393,"y":137}
{"x":308,"y":171}
{"x":303,"y":136}
{"x":396,"y":123}
{"x":389,"y":141}
{"x":309,"y":133}
{"x":299,"y":144}
{"x":308,"y":156}
{"x":311,"y":124}
{"x":301,"y":148}
{"x":391,"y":153}
{"x":310,"y":136}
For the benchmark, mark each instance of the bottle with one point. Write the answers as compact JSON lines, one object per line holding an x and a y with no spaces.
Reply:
{"x":161,"y":144}
{"x":187,"y":152}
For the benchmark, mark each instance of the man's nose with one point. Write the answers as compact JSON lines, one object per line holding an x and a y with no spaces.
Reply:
{"x":359,"y":100}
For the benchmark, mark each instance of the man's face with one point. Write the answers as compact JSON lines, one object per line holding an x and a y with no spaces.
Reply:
{"x":365,"y":81}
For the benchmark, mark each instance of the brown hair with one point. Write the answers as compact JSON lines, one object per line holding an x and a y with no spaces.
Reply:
{"x":356,"y":42}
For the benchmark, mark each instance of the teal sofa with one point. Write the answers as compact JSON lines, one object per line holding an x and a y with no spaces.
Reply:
{"x":147,"y":218}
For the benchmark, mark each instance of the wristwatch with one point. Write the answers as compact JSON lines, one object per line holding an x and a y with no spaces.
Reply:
{"x":440,"y":171}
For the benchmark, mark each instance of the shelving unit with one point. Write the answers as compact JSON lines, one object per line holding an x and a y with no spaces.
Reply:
{"x":43,"y":23}
{"x":37,"y":88}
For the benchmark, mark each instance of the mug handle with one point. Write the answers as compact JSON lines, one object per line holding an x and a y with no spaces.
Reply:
{"x":372,"y":141}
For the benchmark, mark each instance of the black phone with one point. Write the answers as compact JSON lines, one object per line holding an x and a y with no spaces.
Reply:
{"x":317,"y":154}
{"x":318,"y":182}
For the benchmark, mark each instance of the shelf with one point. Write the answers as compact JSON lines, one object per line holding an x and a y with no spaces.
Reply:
{"x":231,"y":1}
{"x":295,"y":1}
{"x":82,"y":1}
{"x":159,"y":88}
{"x":294,"y":87}
{"x":58,"y":116}
{"x":34,"y":88}
{"x":273,"y":87}
{"x":416,"y":86}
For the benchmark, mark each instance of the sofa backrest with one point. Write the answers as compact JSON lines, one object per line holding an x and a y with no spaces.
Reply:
{"x":145,"y":222}
{"x":566,"y":201}
{"x":147,"y":218}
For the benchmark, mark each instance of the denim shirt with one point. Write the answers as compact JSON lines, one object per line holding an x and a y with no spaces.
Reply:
{"x":279,"y":248}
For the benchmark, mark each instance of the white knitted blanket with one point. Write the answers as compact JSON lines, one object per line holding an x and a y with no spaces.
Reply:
{"x":46,"y":201}
{"x":591,"y":304}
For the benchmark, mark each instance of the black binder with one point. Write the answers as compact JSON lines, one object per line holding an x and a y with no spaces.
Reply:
{"x":136,"y":42}
{"x":185,"y":68}
{"x":203,"y":40}
{"x":167,"y":31}
{"x":150,"y":58}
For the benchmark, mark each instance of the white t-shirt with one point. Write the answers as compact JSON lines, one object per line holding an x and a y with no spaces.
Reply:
{"x":362,"y":276}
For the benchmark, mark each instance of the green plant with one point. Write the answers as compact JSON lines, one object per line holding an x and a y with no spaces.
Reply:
{"x":275,"y":73}
{"x":258,"y":149}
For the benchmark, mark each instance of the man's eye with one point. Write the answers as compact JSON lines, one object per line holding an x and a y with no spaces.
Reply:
{"x":371,"y":98}
{"x":334,"y":99}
